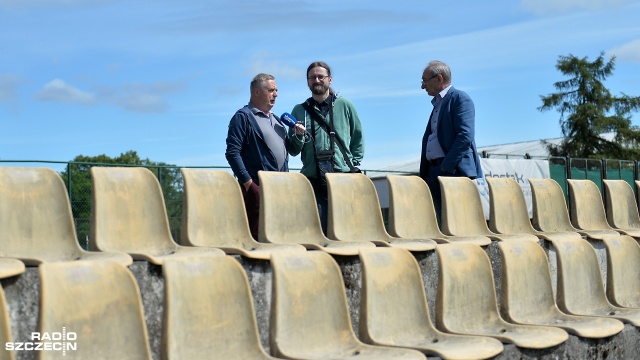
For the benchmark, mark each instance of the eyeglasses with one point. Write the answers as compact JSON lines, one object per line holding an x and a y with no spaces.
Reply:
{"x":425,"y":81}
{"x":319,"y":77}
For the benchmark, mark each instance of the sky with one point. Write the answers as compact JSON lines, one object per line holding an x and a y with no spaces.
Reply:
{"x":164,"y":77}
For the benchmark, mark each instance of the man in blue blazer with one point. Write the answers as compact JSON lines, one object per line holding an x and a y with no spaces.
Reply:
{"x":448,"y":145}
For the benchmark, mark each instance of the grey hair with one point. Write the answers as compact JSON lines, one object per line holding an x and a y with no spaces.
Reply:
{"x":439,"y":68}
{"x":259,"y":81}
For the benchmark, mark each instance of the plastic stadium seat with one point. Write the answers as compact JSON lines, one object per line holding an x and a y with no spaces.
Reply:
{"x":99,"y":302}
{"x":393,"y":310}
{"x":10,"y":267}
{"x":462,"y":212}
{"x":509,"y":214}
{"x":550,"y":214}
{"x":309,"y":312}
{"x":36,"y":221}
{"x":209,"y":310}
{"x":412,"y":215}
{"x":289,"y":215}
{"x":466,"y":302}
{"x":213,"y":215}
{"x":355,"y":215}
{"x":623,"y":271}
{"x":580,"y":288}
{"x":527,"y":295}
{"x":621,"y":207}
{"x":128,"y":215}
{"x":5,"y":329}
{"x":587,"y":209}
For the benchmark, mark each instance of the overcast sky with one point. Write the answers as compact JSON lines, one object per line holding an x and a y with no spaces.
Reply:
{"x":163,"y":77}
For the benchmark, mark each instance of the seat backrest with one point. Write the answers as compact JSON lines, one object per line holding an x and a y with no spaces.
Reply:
{"x":411,"y":211}
{"x":208,"y":310}
{"x":393,"y":301}
{"x":466,"y":295}
{"x":97,"y":301}
{"x":580,"y":284}
{"x":587,"y":208}
{"x":623,"y":271}
{"x":354,"y":209}
{"x":462,"y":212}
{"x":128,"y":213}
{"x":288,"y":209}
{"x":213,"y":212}
{"x":35,"y":216}
{"x":621,"y":206}
{"x":309,"y":311}
{"x":550,"y":212}
{"x":508,"y":214}
{"x":526,"y":280}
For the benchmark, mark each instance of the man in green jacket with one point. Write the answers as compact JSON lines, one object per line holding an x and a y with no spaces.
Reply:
{"x":321,"y":114}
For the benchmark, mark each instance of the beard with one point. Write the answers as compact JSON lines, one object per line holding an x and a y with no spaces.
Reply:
{"x":319,"y":89}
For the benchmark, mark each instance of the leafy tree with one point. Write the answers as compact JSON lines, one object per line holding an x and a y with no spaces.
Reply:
{"x":80,"y":188}
{"x":587,"y":110}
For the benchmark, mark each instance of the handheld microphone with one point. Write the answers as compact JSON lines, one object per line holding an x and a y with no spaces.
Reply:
{"x":288,"y":120}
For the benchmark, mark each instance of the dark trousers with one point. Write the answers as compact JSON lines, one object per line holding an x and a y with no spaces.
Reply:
{"x":252,"y":206}
{"x":434,"y":187}
{"x":322,"y":199}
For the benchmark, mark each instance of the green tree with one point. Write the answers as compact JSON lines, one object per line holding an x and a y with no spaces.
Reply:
{"x":587,"y":110}
{"x":80,"y":188}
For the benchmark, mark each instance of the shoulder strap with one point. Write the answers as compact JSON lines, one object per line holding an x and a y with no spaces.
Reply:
{"x":329,"y":129}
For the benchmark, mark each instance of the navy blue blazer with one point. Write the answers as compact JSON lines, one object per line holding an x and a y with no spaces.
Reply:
{"x":456,"y":132}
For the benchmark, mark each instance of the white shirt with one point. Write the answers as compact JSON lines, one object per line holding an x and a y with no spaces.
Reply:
{"x":433,"y":149}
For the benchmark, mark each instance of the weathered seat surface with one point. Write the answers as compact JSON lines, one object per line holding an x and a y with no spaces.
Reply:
{"x":213,"y":215}
{"x":580,"y":288}
{"x":412,"y":215}
{"x":393,"y":310}
{"x":587,"y":209}
{"x":128,"y":215}
{"x":623,"y":271}
{"x":36,"y":221}
{"x":10,"y":267}
{"x":462,"y":212}
{"x":621,"y":207}
{"x":289,"y":215}
{"x":309,"y":312}
{"x":209,"y":311}
{"x":550,"y":213}
{"x":509,"y":212}
{"x":99,"y":302}
{"x":354,"y":214}
{"x":466,"y":302}
{"x":527,"y":294}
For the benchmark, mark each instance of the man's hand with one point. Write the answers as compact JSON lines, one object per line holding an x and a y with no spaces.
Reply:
{"x":300,"y":129}
{"x":247,"y":184}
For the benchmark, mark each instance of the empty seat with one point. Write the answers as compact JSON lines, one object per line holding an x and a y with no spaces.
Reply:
{"x":128,"y":215}
{"x":393,"y":310}
{"x":213,"y":215}
{"x":36,"y":221}
{"x":509,"y":214}
{"x":462,"y":212}
{"x":550,"y":213}
{"x":580,"y":288}
{"x":289,"y":215}
{"x":587,"y":210}
{"x":309,"y":312}
{"x":412,"y":215}
{"x":621,"y":207}
{"x":623,"y":271}
{"x":98,"y":302}
{"x":527,"y":294}
{"x":466,"y":302}
{"x":209,"y":311}
{"x":355,"y":215}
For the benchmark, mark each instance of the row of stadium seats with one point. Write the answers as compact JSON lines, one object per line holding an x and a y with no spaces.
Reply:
{"x":208,"y":305}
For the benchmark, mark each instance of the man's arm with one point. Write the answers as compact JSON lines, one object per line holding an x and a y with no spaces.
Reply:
{"x":235,"y":140}
{"x":463,"y":118}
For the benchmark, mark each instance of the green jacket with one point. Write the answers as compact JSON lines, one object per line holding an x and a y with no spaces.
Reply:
{"x":348,"y":128}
